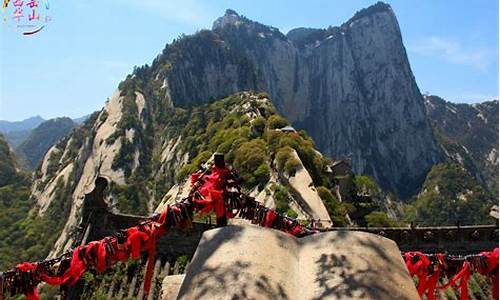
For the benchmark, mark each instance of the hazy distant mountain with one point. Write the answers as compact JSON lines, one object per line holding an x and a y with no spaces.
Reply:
{"x":40,"y":139}
{"x":15,"y":138}
{"x":15,"y":204}
{"x":27,"y":124}
{"x":16,"y":132}
{"x":81,"y":120}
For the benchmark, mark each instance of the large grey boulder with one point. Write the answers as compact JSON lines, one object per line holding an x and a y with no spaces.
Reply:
{"x":249,"y":262}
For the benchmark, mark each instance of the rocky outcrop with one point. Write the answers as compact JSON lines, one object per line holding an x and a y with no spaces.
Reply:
{"x":468,"y":133}
{"x":75,"y":163}
{"x":302,"y":187}
{"x":242,"y":262}
{"x":350,"y":87}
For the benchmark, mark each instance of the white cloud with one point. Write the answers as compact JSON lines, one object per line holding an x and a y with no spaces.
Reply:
{"x":190,"y":12}
{"x":453,"y":52}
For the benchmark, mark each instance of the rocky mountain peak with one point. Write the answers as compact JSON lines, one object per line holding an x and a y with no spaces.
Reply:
{"x":379,"y":7}
{"x":230,"y":12}
{"x":230,"y":18}
{"x":350,"y":87}
{"x":376,"y":18}
{"x":233,"y":26}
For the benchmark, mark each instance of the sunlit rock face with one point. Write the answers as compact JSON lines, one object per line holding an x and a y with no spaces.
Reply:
{"x":350,"y":87}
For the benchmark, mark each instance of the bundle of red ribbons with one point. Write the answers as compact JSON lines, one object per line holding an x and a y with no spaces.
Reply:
{"x":100,"y":255}
{"x":213,"y":189}
{"x":430,"y":268}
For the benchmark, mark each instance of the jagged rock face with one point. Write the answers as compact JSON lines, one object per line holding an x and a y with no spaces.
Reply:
{"x":350,"y":87}
{"x":469,"y":135}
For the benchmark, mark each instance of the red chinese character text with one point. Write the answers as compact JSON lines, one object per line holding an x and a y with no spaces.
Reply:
{"x":32,"y":3}
{"x":18,"y":14}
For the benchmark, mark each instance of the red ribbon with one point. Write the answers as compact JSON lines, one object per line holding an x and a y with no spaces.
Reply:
{"x":31,"y":294}
{"x":212,"y":190}
{"x":134,"y":241}
{"x":421,"y":269}
{"x":491,"y":270}
{"x":463,"y":276}
{"x":270,"y":217}
{"x":73,"y":273}
{"x":121,"y":251}
{"x":461,"y":280}
{"x":156,"y":230}
{"x":419,"y":266}
{"x":149,"y":267}
{"x":296,"y":230}
{"x":102,"y":256}
{"x":431,"y":284}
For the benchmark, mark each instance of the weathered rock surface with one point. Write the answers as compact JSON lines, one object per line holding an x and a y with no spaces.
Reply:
{"x":247,"y":262}
{"x":350,"y":87}
{"x":77,"y":167}
{"x":302,"y":187}
{"x":170,"y":286}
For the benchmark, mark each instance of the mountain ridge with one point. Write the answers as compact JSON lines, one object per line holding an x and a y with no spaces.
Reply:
{"x":41,"y":138}
{"x":468,"y":134}
{"x":353,"y":91}
{"x":143,"y":163}
{"x":29,"y":123}
{"x":16,"y":132}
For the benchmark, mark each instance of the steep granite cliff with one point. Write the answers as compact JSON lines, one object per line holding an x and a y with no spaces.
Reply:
{"x":350,"y":87}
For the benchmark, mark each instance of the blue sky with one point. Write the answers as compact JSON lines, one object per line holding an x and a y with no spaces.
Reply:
{"x":76,"y":62}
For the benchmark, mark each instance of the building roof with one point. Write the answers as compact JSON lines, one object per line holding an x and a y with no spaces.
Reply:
{"x":287,"y":128}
